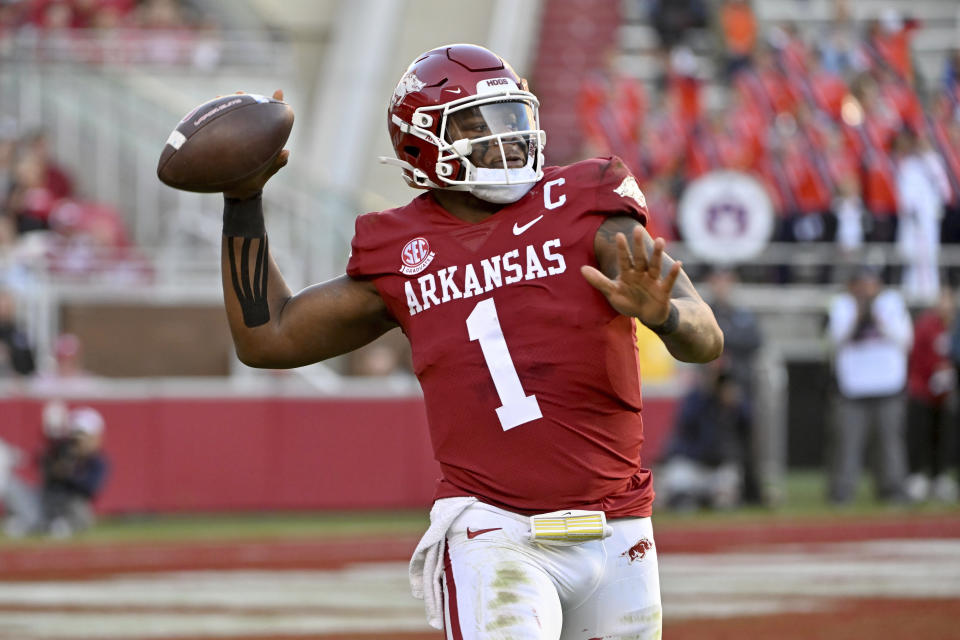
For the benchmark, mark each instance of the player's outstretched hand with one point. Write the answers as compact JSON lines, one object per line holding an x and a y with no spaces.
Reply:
{"x":255,"y":184}
{"x":639,"y":290}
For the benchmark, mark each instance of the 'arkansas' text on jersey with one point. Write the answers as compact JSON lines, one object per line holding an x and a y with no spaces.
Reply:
{"x":529,"y":263}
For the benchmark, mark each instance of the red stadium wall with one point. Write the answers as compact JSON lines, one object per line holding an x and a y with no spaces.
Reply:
{"x":229,"y":454}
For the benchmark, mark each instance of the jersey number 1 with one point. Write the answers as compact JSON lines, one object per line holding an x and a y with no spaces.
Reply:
{"x":517,"y":408}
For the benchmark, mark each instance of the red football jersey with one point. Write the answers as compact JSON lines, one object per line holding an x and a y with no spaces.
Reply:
{"x":530,"y":377}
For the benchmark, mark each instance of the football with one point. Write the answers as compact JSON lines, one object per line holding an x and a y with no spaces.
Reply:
{"x":224,"y":141}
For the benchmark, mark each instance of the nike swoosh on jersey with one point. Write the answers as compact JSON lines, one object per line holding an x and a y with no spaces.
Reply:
{"x":471,"y":534}
{"x":457,"y":90}
{"x":517,"y":230}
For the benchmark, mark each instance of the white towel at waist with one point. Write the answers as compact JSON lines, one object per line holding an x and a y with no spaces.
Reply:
{"x":426,"y":565}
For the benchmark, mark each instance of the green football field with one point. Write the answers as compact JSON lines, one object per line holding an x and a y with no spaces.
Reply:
{"x":803,"y":501}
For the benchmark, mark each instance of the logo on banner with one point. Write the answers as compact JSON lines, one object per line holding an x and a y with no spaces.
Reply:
{"x":726,"y":216}
{"x":416,"y":256}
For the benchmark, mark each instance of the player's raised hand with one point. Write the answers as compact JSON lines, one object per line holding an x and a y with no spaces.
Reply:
{"x":640,"y":290}
{"x":255,"y":183}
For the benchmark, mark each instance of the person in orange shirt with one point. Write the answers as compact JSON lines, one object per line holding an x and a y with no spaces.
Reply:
{"x":739,"y":27}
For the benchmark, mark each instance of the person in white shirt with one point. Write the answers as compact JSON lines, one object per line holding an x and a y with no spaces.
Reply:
{"x":922,"y":192}
{"x":871,"y":332}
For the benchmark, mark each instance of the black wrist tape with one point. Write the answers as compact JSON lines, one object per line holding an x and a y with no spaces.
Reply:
{"x":244,"y":218}
{"x":251,"y":289}
{"x":670,"y":324}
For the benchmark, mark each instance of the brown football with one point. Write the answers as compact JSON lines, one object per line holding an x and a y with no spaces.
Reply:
{"x":221,"y":143}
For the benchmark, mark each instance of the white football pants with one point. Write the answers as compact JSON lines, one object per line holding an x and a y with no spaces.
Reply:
{"x":500,"y":586}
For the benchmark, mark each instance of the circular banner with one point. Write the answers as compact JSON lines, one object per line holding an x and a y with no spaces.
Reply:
{"x":726,"y":216}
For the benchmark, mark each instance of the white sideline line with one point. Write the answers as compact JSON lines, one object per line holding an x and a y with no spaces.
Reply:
{"x":374,"y":598}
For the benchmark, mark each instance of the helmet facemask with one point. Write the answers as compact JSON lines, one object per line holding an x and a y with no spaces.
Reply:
{"x":491,"y":147}
{"x":489,"y":144}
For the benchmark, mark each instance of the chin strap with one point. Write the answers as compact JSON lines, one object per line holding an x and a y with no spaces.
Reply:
{"x":501,"y":193}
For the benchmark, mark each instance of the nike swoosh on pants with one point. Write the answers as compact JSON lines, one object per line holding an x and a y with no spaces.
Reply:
{"x":471,"y":534}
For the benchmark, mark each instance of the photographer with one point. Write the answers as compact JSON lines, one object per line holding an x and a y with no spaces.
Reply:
{"x":74,"y":470}
{"x":871,"y":332}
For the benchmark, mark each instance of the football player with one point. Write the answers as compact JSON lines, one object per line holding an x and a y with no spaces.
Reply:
{"x":518,"y":285}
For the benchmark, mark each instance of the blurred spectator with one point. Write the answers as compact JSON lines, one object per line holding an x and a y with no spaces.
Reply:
{"x":685,"y":86}
{"x":739,"y":29}
{"x":38,"y":184}
{"x":703,"y":462}
{"x":888,"y":42}
{"x":19,"y":500}
{"x":951,"y":76}
{"x":742,"y":339}
{"x":946,"y":134}
{"x":66,"y":374}
{"x":902,"y":98}
{"x":672,"y":19}
{"x":808,"y":216}
{"x":792,"y":53}
{"x":68,"y":352}
{"x":840,"y":50}
{"x":90,"y":240}
{"x":661,"y":207}
{"x":15,"y":258}
{"x":22,"y":501}
{"x":8,"y":154}
{"x":30,"y":201}
{"x":871,"y":333}
{"x":921,"y":192}
{"x":74,"y":471}
{"x":55,"y":179}
{"x":932,"y":378}
{"x":827,"y":88}
{"x":852,"y":218}
{"x":165,"y":31}
{"x":162,"y":14}
{"x":843,"y":170}
{"x":871,"y":125}
{"x":664,"y":138}
{"x":16,"y":353}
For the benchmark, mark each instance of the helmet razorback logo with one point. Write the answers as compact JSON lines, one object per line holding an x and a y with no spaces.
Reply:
{"x":409,"y":83}
{"x":416,"y":256}
{"x":630,"y":189}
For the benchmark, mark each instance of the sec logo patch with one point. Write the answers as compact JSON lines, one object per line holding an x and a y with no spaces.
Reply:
{"x":416,"y":256}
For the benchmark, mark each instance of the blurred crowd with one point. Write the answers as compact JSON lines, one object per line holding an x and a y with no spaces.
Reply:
{"x":47,"y":229}
{"x":45,"y":222}
{"x":115,"y":31}
{"x":825,"y":121}
{"x":893,"y":406}
{"x":94,"y":14}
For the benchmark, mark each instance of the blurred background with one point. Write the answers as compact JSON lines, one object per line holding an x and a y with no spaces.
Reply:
{"x":802,"y":157}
